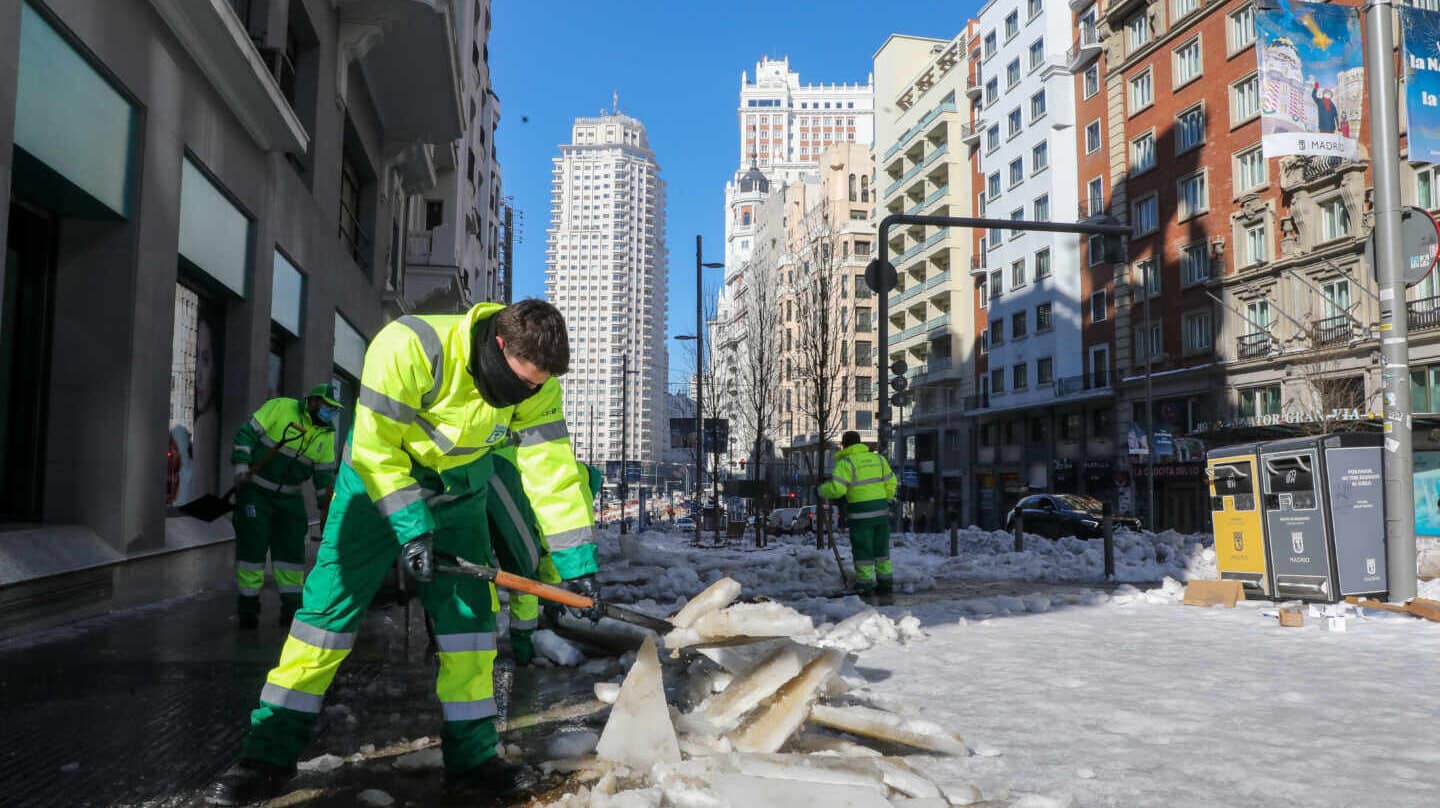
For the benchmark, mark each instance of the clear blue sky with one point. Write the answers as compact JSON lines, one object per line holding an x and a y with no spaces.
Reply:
{"x":676,"y":66}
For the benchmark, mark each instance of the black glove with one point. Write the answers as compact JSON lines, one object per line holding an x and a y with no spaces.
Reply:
{"x":418,"y":558}
{"x":584,"y":585}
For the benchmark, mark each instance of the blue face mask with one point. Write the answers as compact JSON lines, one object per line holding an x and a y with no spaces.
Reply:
{"x":326,"y":415}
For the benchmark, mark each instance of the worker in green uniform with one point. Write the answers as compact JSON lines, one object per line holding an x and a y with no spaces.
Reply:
{"x":866,"y":483}
{"x":286,"y":442}
{"x":520,"y":546}
{"x":437,"y":394}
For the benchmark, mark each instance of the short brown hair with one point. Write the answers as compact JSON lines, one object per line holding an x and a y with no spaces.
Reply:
{"x":534,"y":330}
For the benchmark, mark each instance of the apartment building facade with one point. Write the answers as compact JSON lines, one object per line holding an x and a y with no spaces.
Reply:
{"x":208,"y":211}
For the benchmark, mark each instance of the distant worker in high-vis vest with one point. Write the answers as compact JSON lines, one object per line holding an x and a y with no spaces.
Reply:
{"x":286,"y":442}
{"x":864,"y":479}
{"x":436,"y":396}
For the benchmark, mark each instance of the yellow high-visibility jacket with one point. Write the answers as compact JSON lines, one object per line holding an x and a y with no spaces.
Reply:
{"x":421,"y":426}
{"x":864,"y":479}
{"x":306,"y":449}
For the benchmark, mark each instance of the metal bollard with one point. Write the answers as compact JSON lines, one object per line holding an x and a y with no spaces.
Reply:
{"x":1019,"y":531}
{"x":954,"y":540}
{"x":1107,"y":531}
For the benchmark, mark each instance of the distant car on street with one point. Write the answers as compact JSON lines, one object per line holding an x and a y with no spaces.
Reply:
{"x":685,"y":523}
{"x":1056,"y":515}
{"x":782,"y":520}
{"x":805,"y":519}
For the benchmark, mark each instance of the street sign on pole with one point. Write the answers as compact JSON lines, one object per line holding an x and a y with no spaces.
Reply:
{"x":1419,"y":238}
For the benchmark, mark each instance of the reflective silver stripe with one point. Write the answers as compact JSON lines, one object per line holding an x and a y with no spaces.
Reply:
{"x":430,"y":341}
{"x":378,"y":402}
{"x":873,"y":480}
{"x":434,"y":500}
{"x":327,"y":466}
{"x":255,"y":425}
{"x":261,"y":482}
{"x":242,"y":450}
{"x":290,"y":589}
{"x":532,"y":546}
{"x":320,"y":638}
{"x":566,"y":539}
{"x":290,"y":699}
{"x":247,"y":592}
{"x":468,"y":710}
{"x":250,"y":565}
{"x":460,"y":643}
{"x":524,"y":625}
{"x":395,"y":501}
{"x":541,"y":433}
{"x":345,"y":454}
{"x":444,"y":444}
{"x":855,"y":517}
{"x":288,"y":565}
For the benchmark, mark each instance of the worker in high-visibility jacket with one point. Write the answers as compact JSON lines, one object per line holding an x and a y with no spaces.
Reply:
{"x":520,"y":545}
{"x":286,"y":442}
{"x":436,"y":395}
{"x":866,"y":483}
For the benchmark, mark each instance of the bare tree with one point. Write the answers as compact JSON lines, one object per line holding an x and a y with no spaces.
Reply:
{"x":819,"y":373}
{"x":1328,"y":399}
{"x":760,"y":370}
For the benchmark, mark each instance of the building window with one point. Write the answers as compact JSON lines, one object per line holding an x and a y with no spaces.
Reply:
{"x":1095,"y":197}
{"x":1034,"y":7}
{"x":1192,"y":196}
{"x":997,"y":279}
{"x":1146,"y":215}
{"x":1199,"y":332}
{"x":1017,"y":172}
{"x":1150,"y":349}
{"x":997,"y":381}
{"x":1044,"y":371}
{"x":1249,"y":170}
{"x":1427,"y":189}
{"x":992,"y":138}
{"x":981,"y":289}
{"x":1042,"y":318}
{"x":992,"y":185}
{"x":1334,"y":219}
{"x":862,"y":353}
{"x":1017,"y":215}
{"x":1012,"y":74}
{"x":1187,"y":60}
{"x":1041,"y":209}
{"x":1012,"y":25}
{"x":1257,"y":249}
{"x":1257,"y":317}
{"x":1142,"y":92}
{"x":1040,"y":157}
{"x":1189,"y":129}
{"x":992,"y":91}
{"x":1095,"y":251}
{"x":1260,"y":401}
{"x":1092,"y":80}
{"x":1183,"y":7}
{"x":1137,"y":31}
{"x":1100,"y":377}
{"x":1099,"y":308}
{"x":1241,"y":28}
{"x":1019,"y":327}
{"x":1142,"y":154}
{"x":1037,"y":53}
{"x":1042,"y":264}
{"x":1017,"y":274}
{"x":1092,"y":137}
{"x":1020,"y":377}
{"x":1244,"y":100}
{"x":1037,"y":106}
{"x":1013,"y":123}
{"x":1195,"y":263}
{"x":997,"y":333}
{"x":1147,"y":276}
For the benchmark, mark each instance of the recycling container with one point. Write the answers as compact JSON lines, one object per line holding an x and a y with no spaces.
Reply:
{"x":1235,"y":515}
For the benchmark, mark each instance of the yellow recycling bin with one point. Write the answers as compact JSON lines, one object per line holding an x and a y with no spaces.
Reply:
{"x":1235,"y":514}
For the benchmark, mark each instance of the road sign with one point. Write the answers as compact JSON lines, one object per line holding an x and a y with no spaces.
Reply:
{"x":910,"y":478}
{"x":1419,"y":239}
{"x":874,"y":280}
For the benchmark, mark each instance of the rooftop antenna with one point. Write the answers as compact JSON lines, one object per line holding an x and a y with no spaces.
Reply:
{"x":614,"y":102}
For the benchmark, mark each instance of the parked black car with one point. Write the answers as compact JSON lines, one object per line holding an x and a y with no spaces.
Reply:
{"x":1056,"y":515}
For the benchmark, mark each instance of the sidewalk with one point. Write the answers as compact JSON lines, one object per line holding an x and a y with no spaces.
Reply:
{"x":145,"y":707}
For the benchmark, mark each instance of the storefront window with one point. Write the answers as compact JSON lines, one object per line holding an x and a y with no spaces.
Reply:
{"x":195,"y":375}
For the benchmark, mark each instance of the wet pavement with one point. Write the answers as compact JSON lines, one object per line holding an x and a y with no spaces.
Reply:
{"x":147,"y":707}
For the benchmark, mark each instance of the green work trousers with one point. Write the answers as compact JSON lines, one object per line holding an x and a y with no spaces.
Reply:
{"x":870,"y":547}
{"x":358,"y":550}
{"x":519,"y":549}
{"x":273,"y":523}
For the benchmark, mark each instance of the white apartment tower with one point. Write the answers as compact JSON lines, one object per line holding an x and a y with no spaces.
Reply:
{"x":607,"y":272}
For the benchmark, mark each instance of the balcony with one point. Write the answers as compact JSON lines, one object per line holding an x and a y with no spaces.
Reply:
{"x":934,"y":197}
{"x":909,"y":134}
{"x":1423,"y":314}
{"x":1301,"y":172}
{"x":973,"y":88}
{"x":1092,"y":209}
{"x":1253,"y":346}
{"x":1333,"y":330}
{"x":1085,"y":50}
{"x":410,"y":66}
{"x":977,"y":266}
{"x":970,"y":133}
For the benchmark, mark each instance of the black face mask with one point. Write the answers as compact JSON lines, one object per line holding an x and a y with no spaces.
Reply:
{"x":497,"y":383}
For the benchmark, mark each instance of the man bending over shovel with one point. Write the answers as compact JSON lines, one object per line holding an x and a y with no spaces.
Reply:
{"x":436,"y":395}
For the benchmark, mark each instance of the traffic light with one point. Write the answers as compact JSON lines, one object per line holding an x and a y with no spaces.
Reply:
{"x":898,"y":367}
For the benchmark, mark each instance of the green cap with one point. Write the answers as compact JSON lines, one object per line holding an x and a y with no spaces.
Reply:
{"x":326,"y":392}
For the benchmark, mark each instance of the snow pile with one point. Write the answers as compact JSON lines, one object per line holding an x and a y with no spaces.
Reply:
{"x":1429,"y":589}
{"x":868,"y":629}
{"x":990,"y":555}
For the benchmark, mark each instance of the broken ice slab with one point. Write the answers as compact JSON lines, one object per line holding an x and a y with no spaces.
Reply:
{"x":740,"y":789}
{"x":745,"y":694}
{"x":557,"y":649}
{"x":716,"y":596}
{"x":609,"y":634}
{"x":639,"y":732}
{"x":742,"y":620}
{"x":769,"y":730}
{"x":810,"y":743}
{"x":607,"y":692}
{"x":898,"y":775}
{"x":853,"y":772}
{"x":880,"y":725}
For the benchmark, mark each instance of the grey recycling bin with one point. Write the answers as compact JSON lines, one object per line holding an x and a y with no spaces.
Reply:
{"x":1324,"y":512}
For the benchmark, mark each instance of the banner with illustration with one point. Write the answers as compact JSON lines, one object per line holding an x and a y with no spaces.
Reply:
{"x":1422,"y":82}
{"x":1312,"y":79}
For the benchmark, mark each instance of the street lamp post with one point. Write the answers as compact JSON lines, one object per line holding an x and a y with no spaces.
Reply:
{"x":699,"y":336}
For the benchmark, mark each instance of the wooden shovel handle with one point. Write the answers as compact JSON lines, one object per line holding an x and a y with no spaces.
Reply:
{"x":551,"y":593}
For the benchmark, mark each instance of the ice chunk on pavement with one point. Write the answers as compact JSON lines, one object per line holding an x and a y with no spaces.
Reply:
{"x":743,"y":620}
{"x":961,"y":793}
{"x":739,"y":789}
{"x":899,"y":776}
{"x":861,"y":631}
{"x":322,"y":764}
{"x":739,"y":657}
{"x":607,"y":692}
{"x":909,"y":628}
{"x":886,"y":726}
{"x":637,"y":798}
{"x":853,"y":772}
{"x":920,"y":802}
{"x":375,"y":797}
{"x":638,"y":732}
{"x":430,"y":758}
{"x":571,"y":744}
{"x":716,"y":596}
{"x":557,"y":649}
{"x":610,"y":634}
{"x":810,"y":743}
{"x":769,"y":730}
{"x":745,"y":694}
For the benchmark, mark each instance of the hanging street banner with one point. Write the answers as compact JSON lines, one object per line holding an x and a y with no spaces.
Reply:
{"x":1422,"y":82}
{"x":1312,"y":79}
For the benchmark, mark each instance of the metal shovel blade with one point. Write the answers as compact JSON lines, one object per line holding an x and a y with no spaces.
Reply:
{"x":207,"y":508}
